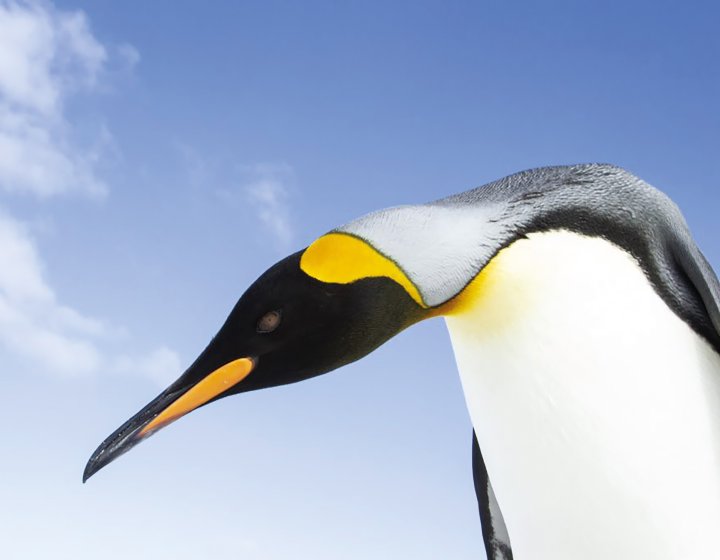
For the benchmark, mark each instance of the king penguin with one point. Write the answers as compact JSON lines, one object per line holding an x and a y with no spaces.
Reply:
{"x":585,"y":324}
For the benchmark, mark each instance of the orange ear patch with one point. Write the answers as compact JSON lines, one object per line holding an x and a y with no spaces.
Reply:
{"x":340,"y":258}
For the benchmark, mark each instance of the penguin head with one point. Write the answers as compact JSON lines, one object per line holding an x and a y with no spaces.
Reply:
{"x":308,"y":314}
{"x":295,"y":326}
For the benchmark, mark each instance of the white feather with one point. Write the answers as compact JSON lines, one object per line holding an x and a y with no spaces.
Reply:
{"x":597,"y":409}
{"x":440,"y":252}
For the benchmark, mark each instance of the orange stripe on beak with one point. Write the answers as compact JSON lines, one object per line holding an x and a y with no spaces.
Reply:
{"x":209,"y":387}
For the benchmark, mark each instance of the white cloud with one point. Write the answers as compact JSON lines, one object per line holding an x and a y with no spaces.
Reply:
{"x":266,"y":188}
{"x":50,"y":336}
{"x":129,"y":55}
{"x":161,"y":366}
{"x":46,"y":55}
{"x":269,"y":194}
{"x":33,"y":324}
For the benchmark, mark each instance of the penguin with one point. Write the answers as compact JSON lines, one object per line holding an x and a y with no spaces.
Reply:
{"x":585,"y":324}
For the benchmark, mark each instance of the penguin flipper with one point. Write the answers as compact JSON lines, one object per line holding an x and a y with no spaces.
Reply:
{"x":703,"y":284}
{"x":495,"y":535}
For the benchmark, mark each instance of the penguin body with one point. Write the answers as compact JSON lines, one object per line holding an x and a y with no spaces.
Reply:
{"x":586,"y":328}
{"x":595,"y":406}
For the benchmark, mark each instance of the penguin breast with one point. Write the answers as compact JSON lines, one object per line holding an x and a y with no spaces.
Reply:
{"x":597,"y":409}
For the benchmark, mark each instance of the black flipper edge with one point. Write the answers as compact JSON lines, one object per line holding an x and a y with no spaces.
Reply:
{"x":495,"y":534}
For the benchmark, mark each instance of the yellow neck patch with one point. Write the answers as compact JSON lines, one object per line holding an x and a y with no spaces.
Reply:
{"x":340,"y":258}
{"x":485,"y":282}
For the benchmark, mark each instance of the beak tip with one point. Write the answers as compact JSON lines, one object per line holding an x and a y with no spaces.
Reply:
{"x":93,"y":466}
{"x":87,"y":473}
{"x":108,"y":451}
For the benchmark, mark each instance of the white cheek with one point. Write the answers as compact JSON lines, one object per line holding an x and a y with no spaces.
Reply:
{"x":441,"y":249}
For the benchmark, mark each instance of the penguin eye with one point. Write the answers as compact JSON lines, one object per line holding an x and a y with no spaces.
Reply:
{"x":269,"y":322}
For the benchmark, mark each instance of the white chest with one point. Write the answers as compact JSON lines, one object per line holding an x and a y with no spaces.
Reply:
{"x":597,"y":409}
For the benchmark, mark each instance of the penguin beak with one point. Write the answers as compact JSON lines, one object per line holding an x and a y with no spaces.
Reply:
{"x":183,"y":396}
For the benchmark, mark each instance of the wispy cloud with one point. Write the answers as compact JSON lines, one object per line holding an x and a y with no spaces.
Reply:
{"x":33,"y":324}
{"x":161,"y":365}
{"x":268,"y":192}
{"x":129,"y":55}
{"x":266,"y":188}
{"x":46,"y":56}
{"x":51,"y":337}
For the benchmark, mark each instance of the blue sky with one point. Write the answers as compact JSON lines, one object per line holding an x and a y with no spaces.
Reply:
{"x":155,"y":157}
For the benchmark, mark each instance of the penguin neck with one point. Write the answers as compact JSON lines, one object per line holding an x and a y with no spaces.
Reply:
{"x":595,"y":406}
